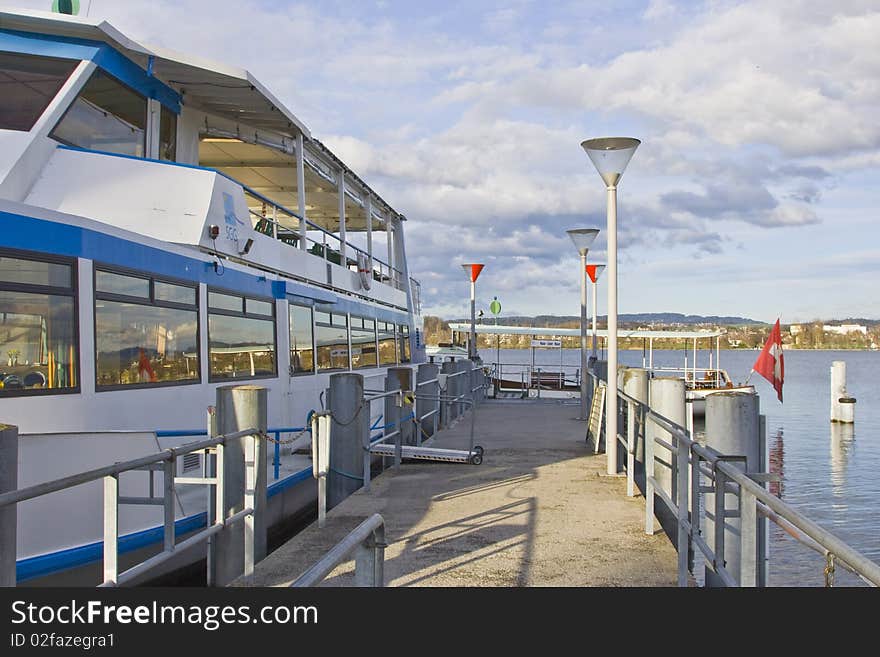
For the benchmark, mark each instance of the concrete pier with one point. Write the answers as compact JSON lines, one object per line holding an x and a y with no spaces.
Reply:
{"x":539,"y":511}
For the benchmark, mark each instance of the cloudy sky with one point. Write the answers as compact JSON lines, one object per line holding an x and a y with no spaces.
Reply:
{"x":754,"y":192}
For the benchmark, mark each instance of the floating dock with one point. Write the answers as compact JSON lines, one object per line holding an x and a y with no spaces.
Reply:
{"x":538,"y":511}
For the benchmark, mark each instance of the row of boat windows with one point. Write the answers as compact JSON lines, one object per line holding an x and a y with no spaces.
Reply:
{"x":106,"y":115}
{"x":147,"y":332}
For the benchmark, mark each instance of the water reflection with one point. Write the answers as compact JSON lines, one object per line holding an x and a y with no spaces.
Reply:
{"x":777,"y":463}
{"x":842,"y":448}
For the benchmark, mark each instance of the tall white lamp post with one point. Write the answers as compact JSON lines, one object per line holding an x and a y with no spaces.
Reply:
{"x":473,"y":271}
{"x":583,"y":238}
{"x":610,"y":155}
{"x":594,"y":272}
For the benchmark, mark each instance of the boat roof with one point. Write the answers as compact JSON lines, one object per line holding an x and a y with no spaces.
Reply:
{"x":491,"y":329}
{"x":218,"y":88}
{"x":232,"y":94}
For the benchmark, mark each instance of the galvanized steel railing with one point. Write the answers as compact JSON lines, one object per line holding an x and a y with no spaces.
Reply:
{"x":367,"y":542}
{"x":693,"y":462}
{"x":165,"y":461}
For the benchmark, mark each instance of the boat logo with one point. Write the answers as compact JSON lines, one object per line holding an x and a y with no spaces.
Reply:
{"x":232,"y":221}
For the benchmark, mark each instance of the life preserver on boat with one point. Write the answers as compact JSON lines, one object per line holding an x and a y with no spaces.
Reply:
{"x":364,"y":270}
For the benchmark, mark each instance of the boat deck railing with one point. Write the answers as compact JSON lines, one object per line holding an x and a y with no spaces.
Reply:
{"x":274,"y":220}
{"x":696,"y":471}
{"x":528,"y":376}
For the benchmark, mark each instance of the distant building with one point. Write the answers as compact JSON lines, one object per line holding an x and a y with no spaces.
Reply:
{"x":795,"y":329}
{"x":844,"y":329}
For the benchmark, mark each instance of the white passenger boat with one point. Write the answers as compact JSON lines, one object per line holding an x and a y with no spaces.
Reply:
{"x":169,"y":226}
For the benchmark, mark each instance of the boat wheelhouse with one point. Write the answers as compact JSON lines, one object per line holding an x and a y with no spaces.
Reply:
{"x":169,"y":226}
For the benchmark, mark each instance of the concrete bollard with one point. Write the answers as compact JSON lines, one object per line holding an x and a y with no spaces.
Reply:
{"x":8,"y":514}
{"x":733,"y":429}
{"x":667,"y":395}
{"x":448,"y":368}
{"x":635,"y":384}
{"x":426,"y":401}
{"x":842,"y":405}
{"x":349,"y":437}
{"x":245,"y":461}
{"x":667,"y":398}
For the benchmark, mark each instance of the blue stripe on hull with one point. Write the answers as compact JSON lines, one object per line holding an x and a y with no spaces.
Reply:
{"x":82,"y":555}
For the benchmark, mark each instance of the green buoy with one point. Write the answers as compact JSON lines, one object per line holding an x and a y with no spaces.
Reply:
{"x":495,"y":306}
{"x":69,"y":7}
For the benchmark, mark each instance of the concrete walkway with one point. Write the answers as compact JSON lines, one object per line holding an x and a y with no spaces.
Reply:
{"x":538,"y":512}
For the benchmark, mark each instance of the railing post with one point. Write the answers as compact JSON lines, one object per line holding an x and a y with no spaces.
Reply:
{"x":732,"y":427}
{"x":630,"y":448}
{"x":449,"y":368}
{"x":111,"y":528}
{"x":244,"y":472}
{"x":717,"y":534}
{"x":8,"y":514}
{"x":682,"y":450}
{"x":170,"y":502}
{"x":369,"y":561}
{"x":748,"y":573}
{"x":350,"y":437}
{"x":425,"y":372}
{"x":650,"y":521}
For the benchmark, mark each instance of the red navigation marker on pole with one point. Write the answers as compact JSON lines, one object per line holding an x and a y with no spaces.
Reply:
{"x":473,"y":271}
{"x":594,"y":272}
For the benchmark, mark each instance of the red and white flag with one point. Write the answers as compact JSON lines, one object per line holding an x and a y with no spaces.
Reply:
{"x":770,"y":363}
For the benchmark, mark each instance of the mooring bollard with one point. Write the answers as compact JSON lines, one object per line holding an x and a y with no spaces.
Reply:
{"x":245,"y":460}
{"x":733,"y":429}
{"x":667,"y":396}
{"x":635,"y":384}
{"x":350,"y":431}
{"x":842,"y":405}
{"x":8,"y":514}
{"x":426,"y":401}
{"x":402,"y":378}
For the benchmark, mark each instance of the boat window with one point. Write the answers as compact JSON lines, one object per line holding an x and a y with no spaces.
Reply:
{"x":28,"y":83}
{"x":302,"y":354}
{"x":129,"y":286}
{"x":38,"y":336}
{"x":144,"y":333}
{"x":331,"y":339}
{"x":403,"y":344}
{"x":387,"y":344}
{"x":167,"y":135}
{"x":363,"y":343}
{"x":106,"y":116}
{"x":217,"y":301}
{"x":241,"y":337}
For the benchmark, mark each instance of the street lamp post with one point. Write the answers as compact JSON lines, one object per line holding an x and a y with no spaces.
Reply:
{"x":610,"y":155}
{"x":583,"y":238}
{"x":473,"y":272}
{"x":594,"y":272}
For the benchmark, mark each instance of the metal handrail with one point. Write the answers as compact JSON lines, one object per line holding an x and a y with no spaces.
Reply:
{"x":693,"y":454}
{"x":368,"y":541}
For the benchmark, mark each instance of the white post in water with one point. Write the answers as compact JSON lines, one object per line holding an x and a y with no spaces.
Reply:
{"x":610,"y":155}
{"x":842,"y":405}
{"x":583,"y":238}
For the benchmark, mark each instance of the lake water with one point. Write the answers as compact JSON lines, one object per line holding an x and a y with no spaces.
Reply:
{"x":831,"y":473}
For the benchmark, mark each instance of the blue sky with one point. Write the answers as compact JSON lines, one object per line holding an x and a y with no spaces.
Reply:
{"x":754,"y":193}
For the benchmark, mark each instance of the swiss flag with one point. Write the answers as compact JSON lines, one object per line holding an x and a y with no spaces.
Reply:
{"x":770,"y":363}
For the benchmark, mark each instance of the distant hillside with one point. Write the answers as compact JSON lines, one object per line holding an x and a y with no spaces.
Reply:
{"x":667,"y":319}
